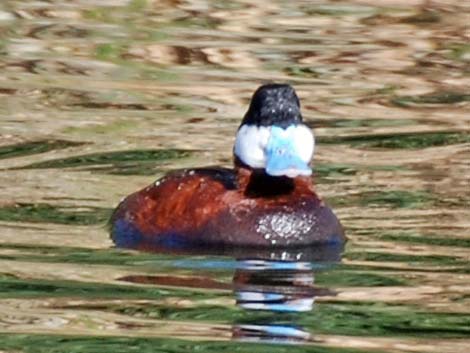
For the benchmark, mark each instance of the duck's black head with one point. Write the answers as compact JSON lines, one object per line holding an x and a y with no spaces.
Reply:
{"x":273,"y":105}
{"x":272,"y":136}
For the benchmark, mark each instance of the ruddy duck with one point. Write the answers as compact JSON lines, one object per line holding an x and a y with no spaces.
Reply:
{"x":266,"y":200}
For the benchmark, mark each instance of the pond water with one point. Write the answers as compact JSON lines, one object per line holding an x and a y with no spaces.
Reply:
{"x":99,"y":98}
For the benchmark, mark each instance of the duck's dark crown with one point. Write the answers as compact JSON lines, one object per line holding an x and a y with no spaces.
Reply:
{"x":273,"y":104}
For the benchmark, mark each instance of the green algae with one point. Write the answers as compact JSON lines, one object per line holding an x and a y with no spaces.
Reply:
{"x":64,"y":254}
{"x":99,"y":344}
{"x":431,"y":99}
{"x":459,"y":51}
{"x":137,"y":5}
{"x":356,"y":123}
{"x":329,"y":172}
{"x":113,"y":257}
{"x":143,"y":162}
{"x":389,"y":198}
{"x":15,"y":287}
{"x":204,"y":22}
{"x":109,"y":51}
{"x":46,"y":213}
{"x":414,"y":238}
{"x":35,"y":147}
{"x":334,"y":169}
{"x":435,"y":260}
{"x":345,"y":278}
{"x":397,"y":199}
{"x":379,"y":319}
{"x":345,"y":318}
{"x":415,"y":140}
{"x":336,"y":10}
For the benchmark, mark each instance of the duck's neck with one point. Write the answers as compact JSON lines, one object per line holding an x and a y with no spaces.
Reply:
{"x":257,"y":183}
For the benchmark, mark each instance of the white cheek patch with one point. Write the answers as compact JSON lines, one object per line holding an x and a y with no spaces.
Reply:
{"x":304,"y":141}
{"x":250,"y":145}
{"x":279,"y":151}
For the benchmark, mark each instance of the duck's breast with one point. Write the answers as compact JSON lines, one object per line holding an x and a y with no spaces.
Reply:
{"x":289,"y":220}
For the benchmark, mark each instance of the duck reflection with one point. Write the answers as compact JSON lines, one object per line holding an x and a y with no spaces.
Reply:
{"x":281,"y":284}
{"x":278,"y":282}
{"x":274,"y":285}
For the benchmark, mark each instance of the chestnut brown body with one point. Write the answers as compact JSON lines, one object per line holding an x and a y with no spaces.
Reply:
{"x":228,"y":207}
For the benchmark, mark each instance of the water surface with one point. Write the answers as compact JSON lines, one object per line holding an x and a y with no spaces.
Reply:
{"x":98,"y":100}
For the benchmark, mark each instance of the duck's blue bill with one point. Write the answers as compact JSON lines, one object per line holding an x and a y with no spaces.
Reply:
{"x":282,"y":155}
